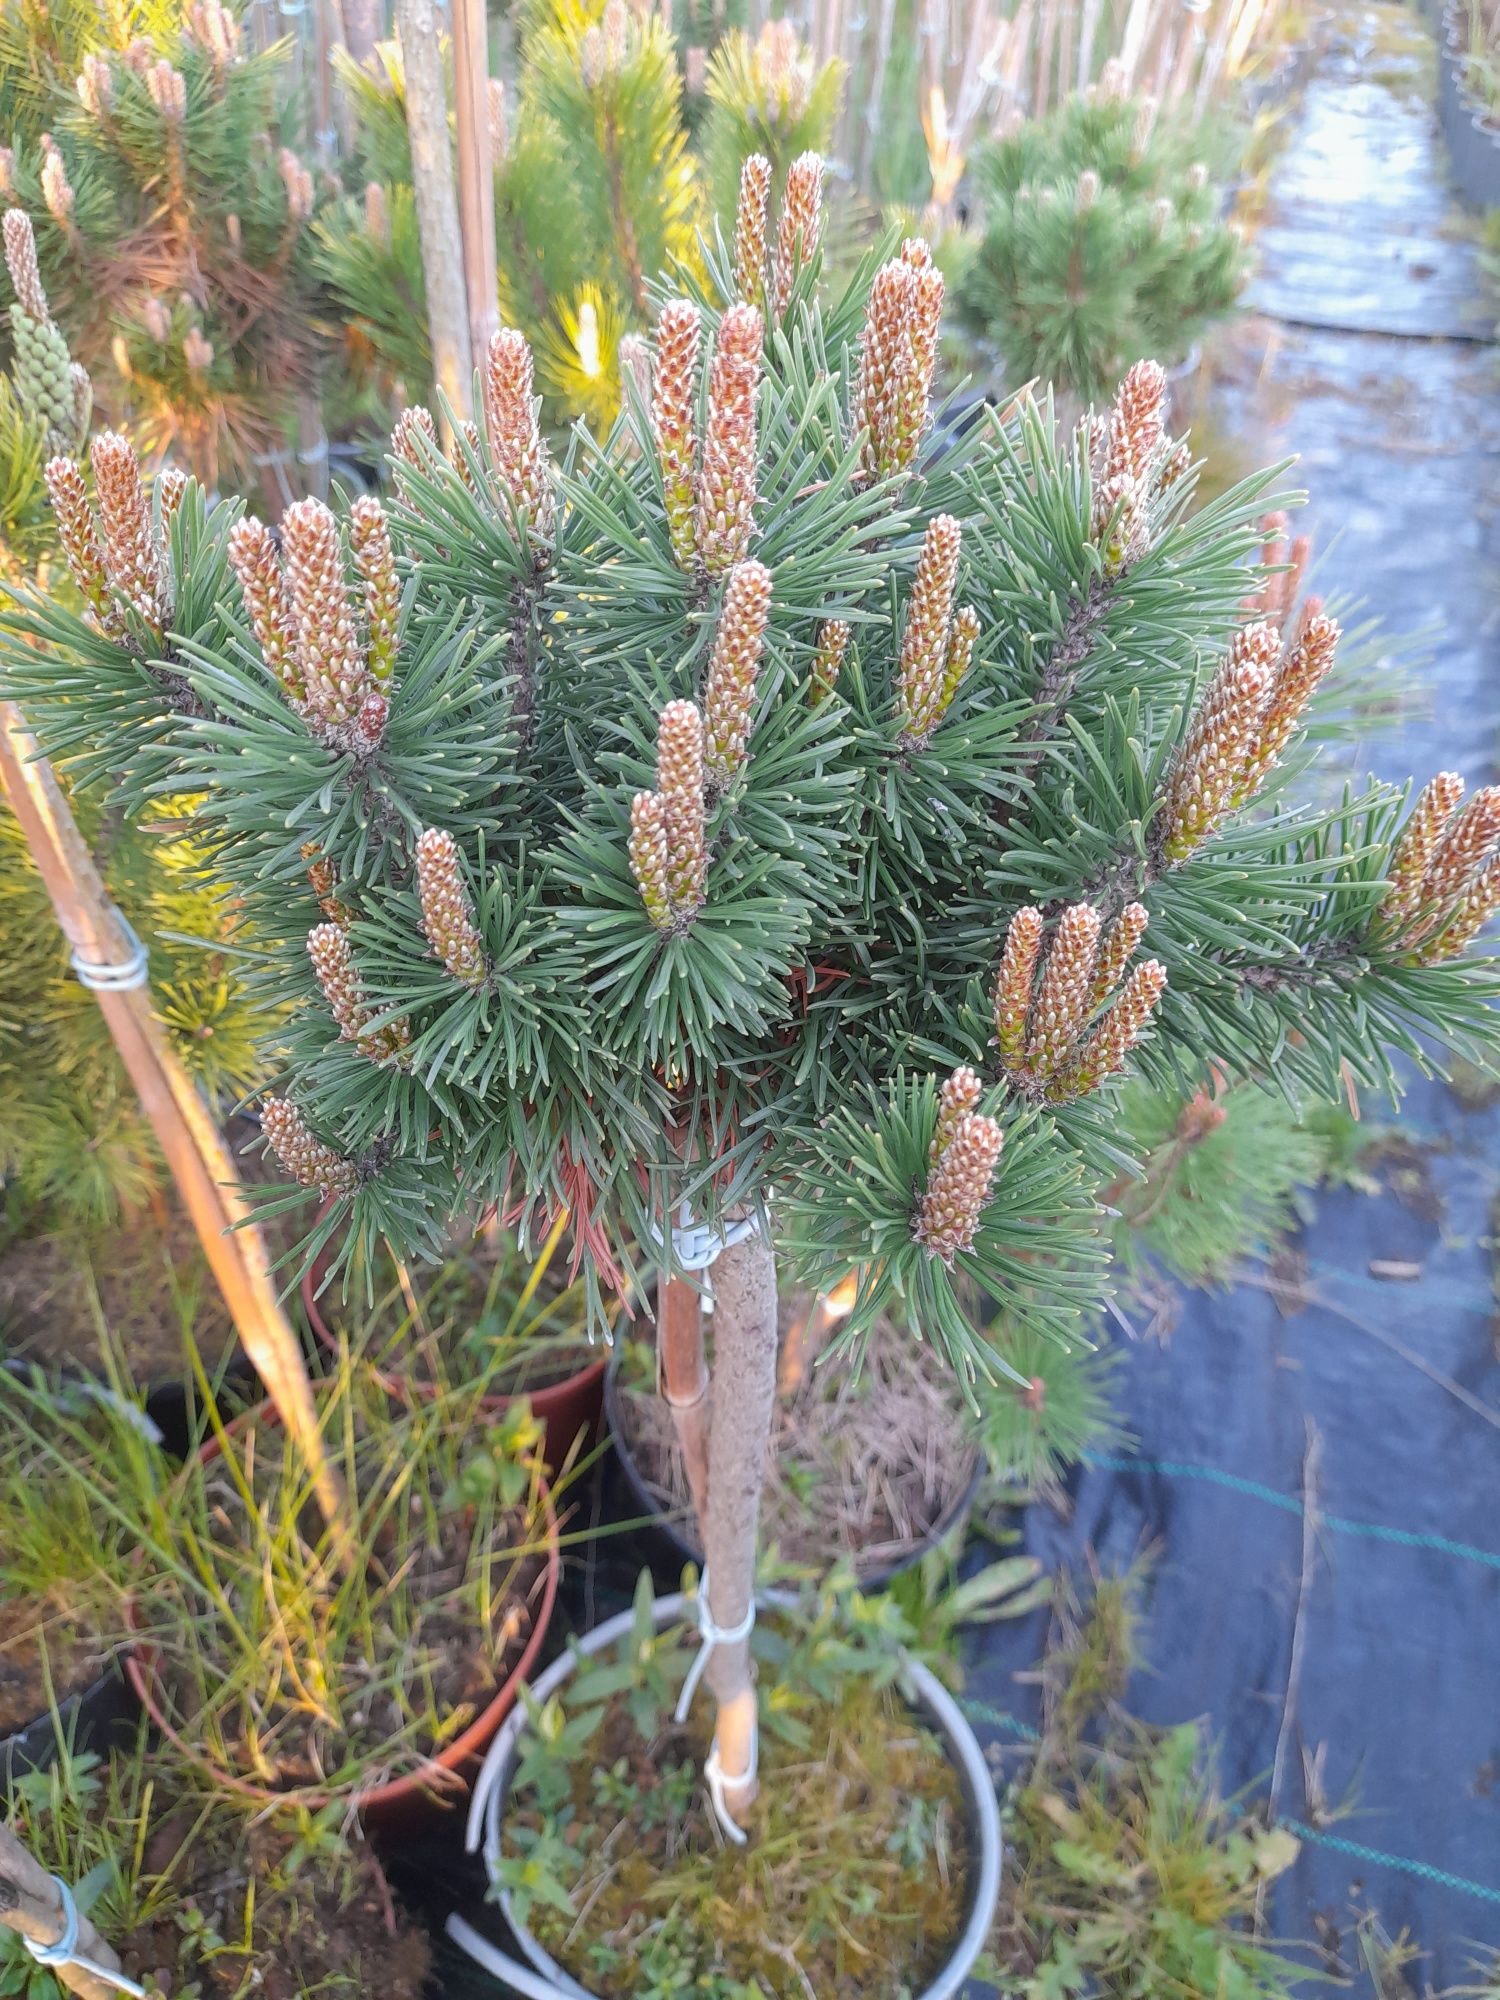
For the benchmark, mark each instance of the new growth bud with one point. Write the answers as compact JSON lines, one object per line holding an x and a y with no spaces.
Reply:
{"x":49,"y":385}
{"x":413,"y":426}
{"x":963,"y":1155}
{"x":447,"y":912}
{"x":1013,"y":984}
{"x":1210,"y":765}
{"x":132,"y":559}
{"x":1129,"y":462}
{"x":78,"y":533}
{"x":898,"y":352}
{"x":1049,"y":1031}
{"x":338,"y":978}
{"x":668,"y":845}
{"x":750,"y":228}
{"x":726,"y":488}
{"x":253,"y":558}
{"x":729,"y":688}
{"x":960,"y":1093}
{"x":370,"y":540}
{"x":1117,"y":1034}
{"x":828,"y":661}
{"x":937,"y":647}
{"x":306,"y":1158}
{"x":517,"y":450}
{"x":674,"y":403}
{"x":801,"y":229}
{"x":304,"y":619}
{"x":1444,"y":873}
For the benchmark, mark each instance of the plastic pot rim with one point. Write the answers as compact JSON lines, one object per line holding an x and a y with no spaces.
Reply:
{"x":548,"y":1981}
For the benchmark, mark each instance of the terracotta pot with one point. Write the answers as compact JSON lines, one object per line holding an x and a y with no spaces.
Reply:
{"x":566,"y":1410}
{"x":398,"y":1800}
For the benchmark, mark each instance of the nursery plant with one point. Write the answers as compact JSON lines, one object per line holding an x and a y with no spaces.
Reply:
{"x":279,"y":1658}
{"x":745,"y":831}
{"x":170,"y":219}
{"x":1103,"y":242}
{"x":594,"y":193}
{"x":201,"y":1894}
{"x":597,"y":188}
{"x":58,"y":1618}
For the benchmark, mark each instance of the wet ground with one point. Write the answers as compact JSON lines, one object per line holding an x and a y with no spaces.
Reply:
{"x":1364,"y":355}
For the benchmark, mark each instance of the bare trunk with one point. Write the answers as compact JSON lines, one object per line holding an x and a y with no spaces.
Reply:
{"x":31,"y":1904}
{"x":684,"y":1384}
{"x":190,"y":1141}
{"x":419,"y":29}
{"x":744,"y":1398}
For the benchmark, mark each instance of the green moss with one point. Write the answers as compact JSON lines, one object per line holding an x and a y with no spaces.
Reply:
{"x":853,"y":1882}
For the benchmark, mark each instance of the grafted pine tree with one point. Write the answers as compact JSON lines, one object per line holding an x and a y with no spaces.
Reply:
{"x":775,"y":820}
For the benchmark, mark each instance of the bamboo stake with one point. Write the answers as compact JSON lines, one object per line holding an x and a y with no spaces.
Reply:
{"x":476,"y":174}
{"x":31,"y":1905}
{"x":418,"y":29}
{"x":189,"y":1139}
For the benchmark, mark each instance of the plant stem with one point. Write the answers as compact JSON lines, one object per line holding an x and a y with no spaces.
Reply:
{"x":30,"y":1904}
{"x":744,"y":1403}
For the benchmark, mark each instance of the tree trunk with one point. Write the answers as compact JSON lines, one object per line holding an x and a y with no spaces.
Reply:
{"x":684,"y":1384}
{"x":419,"y":30}
{"x":189,"y":1139}
{"x":744,"y":1399}
{"x":31,"y":1905}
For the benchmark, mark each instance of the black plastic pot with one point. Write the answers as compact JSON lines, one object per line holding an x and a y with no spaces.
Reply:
{"x":98,"y":1718}
{"x":664,"y":1540}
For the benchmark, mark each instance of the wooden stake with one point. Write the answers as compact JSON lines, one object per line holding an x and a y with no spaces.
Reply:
{"x":190,"y":1141}
{"x":476,"y":173}
{"x":419,"y":29}
{"x":30,"y":1904}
